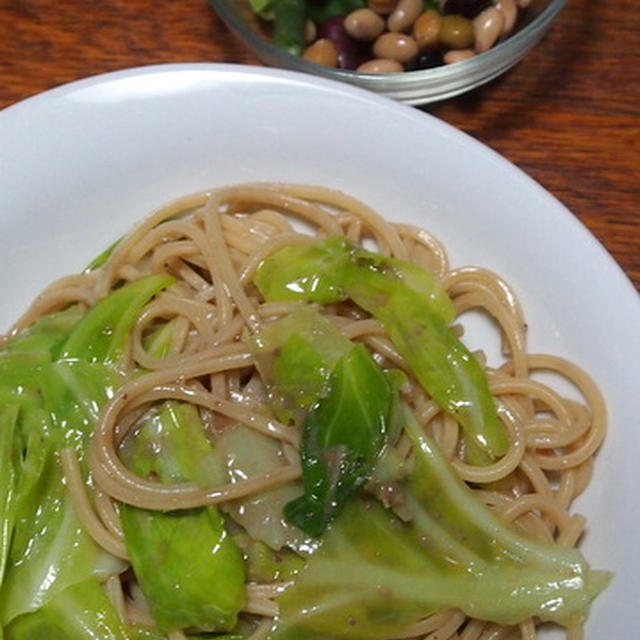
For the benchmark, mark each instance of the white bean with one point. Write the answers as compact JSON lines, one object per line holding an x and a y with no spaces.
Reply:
{"x":383,"y":7}
{"x":380,"y":65}
{"x":310,"y":31}
{"x":509,"y":10}
{"x":364,"y":24}
{"x":458,"y":55}
{"x":487,"y":27}
{"x":395,"y":46}
{"x":322,"y":52}
{"x":404,"y":15}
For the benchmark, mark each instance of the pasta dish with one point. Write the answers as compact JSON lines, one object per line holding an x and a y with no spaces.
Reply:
{"x":255,"y":417}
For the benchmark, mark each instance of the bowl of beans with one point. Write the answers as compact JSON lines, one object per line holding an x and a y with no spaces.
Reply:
{"x":416,"y":51}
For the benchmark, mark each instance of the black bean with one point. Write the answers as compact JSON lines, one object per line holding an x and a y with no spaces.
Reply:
{"x":351,"y":54}
{"x":426,"y":59}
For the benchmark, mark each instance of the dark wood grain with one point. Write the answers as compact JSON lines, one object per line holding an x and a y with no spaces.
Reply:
{"x":568,"y":114}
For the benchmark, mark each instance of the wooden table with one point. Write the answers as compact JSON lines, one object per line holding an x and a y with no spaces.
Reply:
{"x":568,"y":115}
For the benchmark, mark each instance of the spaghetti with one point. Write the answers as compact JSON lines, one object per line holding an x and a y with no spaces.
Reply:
{"x":212,"y":243}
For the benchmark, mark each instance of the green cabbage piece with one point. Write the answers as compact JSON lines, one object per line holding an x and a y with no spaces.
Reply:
{"x":375,"y":575}
{"x":102,"y":258}
{"x":188,"y":567}
{"x":342,"y":438}
{"x":55,"y":377}
{"x":80,"y":612}
{"x":102,"y":334}
{"x":246,"y":452}
{"x":49,"y":548}
{"x":345,"y":400}
{"x":264,"y":564}
{"x":295,"y":357}
{"x":414,"y":310}
{"x":8,"y":481}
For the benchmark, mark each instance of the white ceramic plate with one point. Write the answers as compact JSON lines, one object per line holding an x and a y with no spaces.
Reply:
{"x":80,"y":164}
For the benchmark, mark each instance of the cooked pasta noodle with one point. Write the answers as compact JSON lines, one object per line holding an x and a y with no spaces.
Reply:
{"x":212,"y":243}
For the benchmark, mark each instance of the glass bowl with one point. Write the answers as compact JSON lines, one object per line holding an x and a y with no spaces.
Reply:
{"x":412,"y":87}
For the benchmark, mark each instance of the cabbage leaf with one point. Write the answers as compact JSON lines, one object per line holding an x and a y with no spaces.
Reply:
{"x":201,"y":580}
{"x":55,"y":376}
{"x":375,"y":575}
{"x":415,"y":312}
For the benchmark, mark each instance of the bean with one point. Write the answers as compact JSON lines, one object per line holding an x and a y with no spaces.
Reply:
{"x":466,"y":8}
{"x":456,"y":32}
{"x":487,"y":27}
{"x":322,"y":52}
{"x":383,"y":7}
{"x":509,"y":10}
{"x":364,"y":24}
{"x":390,"y":36}
{"x":404,"y":15}
{"x":458,"y":55}
{"x":427,"y":59}
{"x":395,"y":46}
{"x":350,"y":55}
{"x":310,"y":31}
{"x":426,"y":29}
{"x":380,"y":65}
